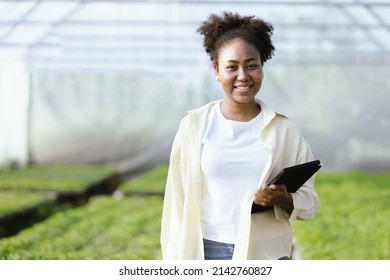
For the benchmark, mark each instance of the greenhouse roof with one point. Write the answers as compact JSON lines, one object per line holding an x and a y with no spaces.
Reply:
{"x":93,"y":34}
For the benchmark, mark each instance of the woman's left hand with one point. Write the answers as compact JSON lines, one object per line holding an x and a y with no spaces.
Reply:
{"x":274,"y":195}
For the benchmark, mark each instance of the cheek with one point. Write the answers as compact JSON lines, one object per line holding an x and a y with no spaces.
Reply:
{"x":227,"y":79}
{"x":226,"y":74}
{"x":259,"y":77}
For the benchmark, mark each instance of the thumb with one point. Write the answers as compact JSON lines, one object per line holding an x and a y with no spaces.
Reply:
{"x":273,"y":187}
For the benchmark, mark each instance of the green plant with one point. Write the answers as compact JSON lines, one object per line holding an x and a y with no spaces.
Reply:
{"x":104,"y":229}
{"x":60,"y":177}
{"x":152,"y":181}
{"x":16,"y":200}
{"x":352,"y":222}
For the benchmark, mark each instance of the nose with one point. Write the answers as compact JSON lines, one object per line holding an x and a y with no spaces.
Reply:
{"x":242,"y":75}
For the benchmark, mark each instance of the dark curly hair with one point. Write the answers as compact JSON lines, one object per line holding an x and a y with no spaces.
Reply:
{"x":218,"y":30}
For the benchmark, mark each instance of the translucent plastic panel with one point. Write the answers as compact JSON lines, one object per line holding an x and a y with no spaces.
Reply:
{"x":107,"y":117}
{"x":320,"y":31}
{"x":108,"y":30}
{"x":134,"y":57}
{"x":382,"y":35}
{"x":83,"y":43}
{"x":362,"y":15}
{"x":117,"y":11}
{"x":14,"y":10}
{"x":383,"y":12}
{"x":194,"y":11}
{"x":4,"y":30}
{"x":26,"y":34}
{"x":52,"y":11}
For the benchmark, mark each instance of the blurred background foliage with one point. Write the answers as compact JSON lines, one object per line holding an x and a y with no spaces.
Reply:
{"x":351,"y":224}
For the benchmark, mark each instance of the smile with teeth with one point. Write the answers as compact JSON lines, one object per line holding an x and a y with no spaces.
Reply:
{"x":242,"y":87}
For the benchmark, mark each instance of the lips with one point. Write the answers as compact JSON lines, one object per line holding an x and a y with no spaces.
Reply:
{"x":242,"y":87}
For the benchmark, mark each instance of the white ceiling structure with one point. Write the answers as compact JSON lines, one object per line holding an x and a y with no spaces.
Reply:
{"x":72,"y":72}
{"x":121,"y":35}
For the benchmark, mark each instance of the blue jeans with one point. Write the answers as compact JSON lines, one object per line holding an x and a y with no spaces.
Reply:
{"x":214,"y":250}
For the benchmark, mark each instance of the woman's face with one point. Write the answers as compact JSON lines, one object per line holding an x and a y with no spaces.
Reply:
{"x":239,"y":70}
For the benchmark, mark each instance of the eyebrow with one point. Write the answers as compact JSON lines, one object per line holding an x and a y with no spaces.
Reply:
{"x":246,"y":60}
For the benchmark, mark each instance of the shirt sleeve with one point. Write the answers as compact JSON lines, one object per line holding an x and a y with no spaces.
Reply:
{"x":173,"y":204}
{"x":306,"y":201}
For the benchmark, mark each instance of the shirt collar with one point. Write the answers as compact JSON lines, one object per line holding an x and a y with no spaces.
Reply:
{"x":268,"y":113}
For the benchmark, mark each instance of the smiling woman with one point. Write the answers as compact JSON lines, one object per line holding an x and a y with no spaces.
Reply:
{"x":224,"y":153}
{"x":240,"y":72}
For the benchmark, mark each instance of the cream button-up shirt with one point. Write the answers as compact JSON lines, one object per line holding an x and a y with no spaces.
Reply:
{"x":263,"y":235}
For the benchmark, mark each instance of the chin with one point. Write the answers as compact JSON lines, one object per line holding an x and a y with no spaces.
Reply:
{"x":244,"y":99}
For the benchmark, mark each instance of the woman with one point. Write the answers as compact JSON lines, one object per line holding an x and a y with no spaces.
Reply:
{"x":224,"y":153}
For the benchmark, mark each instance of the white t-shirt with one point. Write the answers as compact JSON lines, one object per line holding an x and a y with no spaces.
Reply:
{"x":232,"y":161}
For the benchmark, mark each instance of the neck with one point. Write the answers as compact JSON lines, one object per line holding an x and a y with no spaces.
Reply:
{"x":242,"y":112}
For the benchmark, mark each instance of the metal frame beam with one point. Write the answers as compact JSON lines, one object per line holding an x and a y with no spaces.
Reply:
{"x":56,"y":38}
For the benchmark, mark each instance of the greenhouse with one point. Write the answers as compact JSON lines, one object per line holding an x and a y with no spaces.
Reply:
{"x":92,"y":93}
{"x":109,"y":81}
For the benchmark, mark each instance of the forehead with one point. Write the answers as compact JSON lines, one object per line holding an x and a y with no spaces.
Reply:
{"x":238,"y":50}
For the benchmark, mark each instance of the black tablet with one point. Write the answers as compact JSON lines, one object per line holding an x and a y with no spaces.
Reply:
{"x":293,"y":177}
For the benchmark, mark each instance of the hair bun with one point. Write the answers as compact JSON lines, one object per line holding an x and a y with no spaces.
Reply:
{"x":217,"y":30}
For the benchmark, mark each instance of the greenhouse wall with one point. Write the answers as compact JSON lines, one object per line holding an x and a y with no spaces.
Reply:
{"x":130,"y":120}
{"x":109,"y":81}
{"x":14,"y":115}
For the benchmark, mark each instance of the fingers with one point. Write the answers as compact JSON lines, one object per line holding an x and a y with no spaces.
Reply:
{"x":272,"y":187}
{"x":263,"y":197}
{"x":269,"y":195}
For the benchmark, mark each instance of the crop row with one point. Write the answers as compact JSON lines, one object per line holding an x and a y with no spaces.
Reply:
{"x":65,"y":178}
{"x":12,"y":201}
{"x":353,"y":221}
{"x":106,"y":228}
{"x":152,"y":181}
{"x":32,"y":194}
{"x":121,"y":226}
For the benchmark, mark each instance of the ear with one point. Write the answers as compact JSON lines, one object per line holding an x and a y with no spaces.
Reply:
{"x":216,"y":72}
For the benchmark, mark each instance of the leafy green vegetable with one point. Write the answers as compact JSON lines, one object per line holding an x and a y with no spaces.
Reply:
{"x":352,"y":222}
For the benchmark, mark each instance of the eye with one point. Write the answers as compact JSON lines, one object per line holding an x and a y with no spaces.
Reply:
{"x":253,"y":66}
{"x":231,"y":67}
